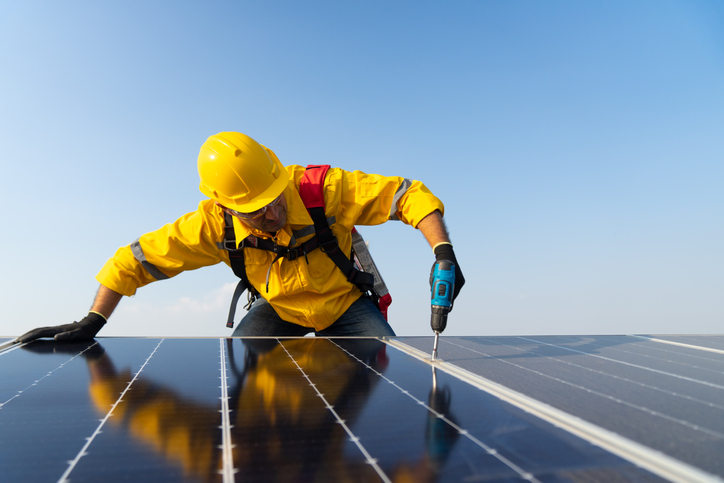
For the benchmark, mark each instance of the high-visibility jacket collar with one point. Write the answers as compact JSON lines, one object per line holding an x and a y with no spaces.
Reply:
{"x":297,"y":218}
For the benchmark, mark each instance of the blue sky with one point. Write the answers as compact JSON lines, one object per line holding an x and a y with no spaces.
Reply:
{"x":577,"y":147}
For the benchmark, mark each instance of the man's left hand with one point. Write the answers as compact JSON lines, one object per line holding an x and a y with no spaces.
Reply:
{"x":86,"y":329}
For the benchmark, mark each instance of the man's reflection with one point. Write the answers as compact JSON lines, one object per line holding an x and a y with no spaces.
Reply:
{"x":281,"y":430}
{"x":440,"y":437}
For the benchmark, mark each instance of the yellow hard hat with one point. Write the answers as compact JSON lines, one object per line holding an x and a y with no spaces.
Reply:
{"x":240,"y":173}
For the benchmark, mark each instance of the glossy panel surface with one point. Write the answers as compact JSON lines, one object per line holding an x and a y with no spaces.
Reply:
{"x":268,"y":410}
{"x":667,"y":397}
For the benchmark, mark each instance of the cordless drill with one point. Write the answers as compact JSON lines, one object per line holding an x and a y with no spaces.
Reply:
{"x":442,"y":282}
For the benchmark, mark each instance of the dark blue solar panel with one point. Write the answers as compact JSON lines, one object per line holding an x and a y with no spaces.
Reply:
{"x":276,"y":410}
{"x":669,"y":398}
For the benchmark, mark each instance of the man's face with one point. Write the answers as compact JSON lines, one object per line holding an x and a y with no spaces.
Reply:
{"x":272,"y":220}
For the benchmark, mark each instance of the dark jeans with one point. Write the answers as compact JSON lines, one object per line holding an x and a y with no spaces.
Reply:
{"x":362,"y":319}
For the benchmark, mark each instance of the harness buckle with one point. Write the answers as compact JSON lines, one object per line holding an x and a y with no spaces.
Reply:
{"x":230,"y":244}
{"x":330,"y":246}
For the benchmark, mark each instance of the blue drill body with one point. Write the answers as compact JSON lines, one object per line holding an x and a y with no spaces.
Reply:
{"x":443,"y":285}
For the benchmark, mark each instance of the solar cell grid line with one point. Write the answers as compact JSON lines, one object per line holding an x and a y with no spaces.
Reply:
{"x":660,"y":464}
{"x":681,"y":376}
{"x":371,"y":461}
{"x":227,"y":470}
{"x":524,"y":475}
{"x":83,"y":452}
{"x":696,"y":444}
{"x":634,"y":382}
{"x":536,"y":446}
{"x":638,"y":366}
{"x":43,"y":430}
{"x":707,"y":417}
{"x":670,"y":359}
{"x":405,"y":439}
{"x":684,"y":352}
{"x":37,"y":381}
{"x":664,"y":359}
{"x":166,"y":428}
{"x":617,"y":400}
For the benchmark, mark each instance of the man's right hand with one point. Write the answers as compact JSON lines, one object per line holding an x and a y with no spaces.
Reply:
{"x":86,"y":329}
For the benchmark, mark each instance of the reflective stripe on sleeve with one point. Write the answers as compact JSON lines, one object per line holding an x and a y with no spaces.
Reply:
{"x":141,"y":258}
{"x":404,"y":186}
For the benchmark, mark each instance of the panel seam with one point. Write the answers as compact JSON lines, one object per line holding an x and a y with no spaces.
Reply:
{"x":228,"y":469}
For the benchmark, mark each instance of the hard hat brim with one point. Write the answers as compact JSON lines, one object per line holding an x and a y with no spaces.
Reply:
{"x":272,"y":193}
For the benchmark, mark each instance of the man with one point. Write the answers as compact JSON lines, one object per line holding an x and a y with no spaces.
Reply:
{"x":260,"y":200}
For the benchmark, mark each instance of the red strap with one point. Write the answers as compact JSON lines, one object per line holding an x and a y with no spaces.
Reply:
{"x":385,"y":302}
{"x":311,"y":186}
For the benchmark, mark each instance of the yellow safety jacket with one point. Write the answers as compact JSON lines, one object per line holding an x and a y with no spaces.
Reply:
{"x":311,"y":291}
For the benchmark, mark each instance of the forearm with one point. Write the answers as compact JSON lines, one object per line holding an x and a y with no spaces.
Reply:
{"x":106,"y":301}
{"x":436,"y":234}
{"x":433,"y":229}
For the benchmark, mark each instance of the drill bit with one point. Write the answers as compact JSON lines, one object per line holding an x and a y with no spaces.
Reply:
{"x":434,"y":345}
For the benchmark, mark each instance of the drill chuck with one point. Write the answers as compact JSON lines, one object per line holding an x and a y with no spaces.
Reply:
{"x":438,"y":320}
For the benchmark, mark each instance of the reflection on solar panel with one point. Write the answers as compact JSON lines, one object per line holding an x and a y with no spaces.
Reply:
{"x":493,"y":409}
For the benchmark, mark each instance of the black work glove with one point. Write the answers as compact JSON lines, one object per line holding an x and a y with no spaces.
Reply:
{"x":445,"y":252}
{"x":86,"y":329}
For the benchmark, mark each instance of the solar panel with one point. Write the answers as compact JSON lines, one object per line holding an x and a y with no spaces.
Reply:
{"x":663,"y":393}
{"x":492,"y":409}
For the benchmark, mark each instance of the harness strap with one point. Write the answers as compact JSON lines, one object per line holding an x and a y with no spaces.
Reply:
{"x":290,"y":253}
{"x":240,"y":287}
{"x":329,"y":245}
{"x":311,"y":190}
{"x":236,"y":259}
{"x":236,"y":256}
